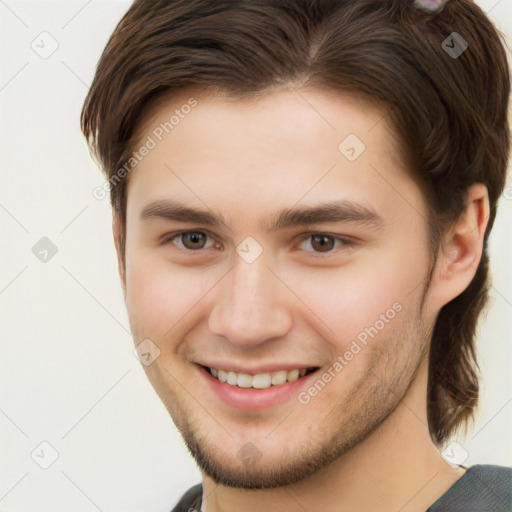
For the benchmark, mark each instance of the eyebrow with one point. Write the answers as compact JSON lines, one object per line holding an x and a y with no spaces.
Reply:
{"x":332,"y":211}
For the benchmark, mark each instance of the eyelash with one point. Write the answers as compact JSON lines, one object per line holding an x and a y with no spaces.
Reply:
{"x":345,"y":242}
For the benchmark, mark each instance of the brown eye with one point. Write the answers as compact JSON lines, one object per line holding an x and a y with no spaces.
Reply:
{"x":191,"y":240}
{"x":322,"y":243}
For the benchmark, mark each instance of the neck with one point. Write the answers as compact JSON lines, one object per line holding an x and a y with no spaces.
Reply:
{"x":396,"y":468}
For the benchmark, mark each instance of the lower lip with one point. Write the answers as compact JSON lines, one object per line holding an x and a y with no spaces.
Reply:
{"x":251,"y":399}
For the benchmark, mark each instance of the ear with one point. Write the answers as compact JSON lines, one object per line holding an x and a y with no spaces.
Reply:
{"x":461,"y":251}
{"x":117,"y":230}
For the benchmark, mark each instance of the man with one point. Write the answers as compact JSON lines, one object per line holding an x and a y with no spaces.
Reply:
{"x":303,"y":191}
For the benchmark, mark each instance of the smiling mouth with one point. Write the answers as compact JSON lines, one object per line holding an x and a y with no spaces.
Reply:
{"x":264,"y":380}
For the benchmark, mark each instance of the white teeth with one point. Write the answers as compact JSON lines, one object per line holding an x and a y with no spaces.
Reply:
{"x":260,"y":380}
{"x":293,"y":375}
{"x":244,"y":380}
{"x":279,"y":377}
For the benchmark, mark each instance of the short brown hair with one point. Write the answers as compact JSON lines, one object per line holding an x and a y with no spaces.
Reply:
{"x":449,"y":111}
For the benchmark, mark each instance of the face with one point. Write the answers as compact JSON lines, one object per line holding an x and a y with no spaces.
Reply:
{"x":312,"y":255}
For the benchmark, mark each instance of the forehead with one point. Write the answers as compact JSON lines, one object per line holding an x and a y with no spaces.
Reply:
{"x":276,"y":147}
{"x":308,"y":114}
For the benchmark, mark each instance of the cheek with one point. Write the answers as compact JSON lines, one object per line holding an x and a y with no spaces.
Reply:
{"x":159,"y":294}
{"x":352,"y":298}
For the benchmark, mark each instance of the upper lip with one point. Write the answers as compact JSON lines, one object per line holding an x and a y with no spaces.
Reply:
{"x":253,"y":370}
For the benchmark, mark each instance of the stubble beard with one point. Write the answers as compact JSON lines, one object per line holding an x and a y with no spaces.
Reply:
{"x":388,"y":376}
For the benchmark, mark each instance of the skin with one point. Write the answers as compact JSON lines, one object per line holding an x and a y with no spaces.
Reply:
{"x":362,"y":443}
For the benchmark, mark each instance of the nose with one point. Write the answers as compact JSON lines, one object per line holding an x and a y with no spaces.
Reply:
{"x":251,"y":305}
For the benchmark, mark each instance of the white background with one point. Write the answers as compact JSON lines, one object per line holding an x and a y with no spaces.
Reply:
{"x":68,"y":374}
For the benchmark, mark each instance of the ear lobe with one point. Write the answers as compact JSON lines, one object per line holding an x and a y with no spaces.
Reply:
{"x":464,"y":245}
{"x":461,"y":249}
{"x":117,"y":231}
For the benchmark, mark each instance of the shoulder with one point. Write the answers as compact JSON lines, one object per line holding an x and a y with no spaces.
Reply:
{"x":483,"y":488}
{"x":486,"y":488}
{"x":191,"y":500}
